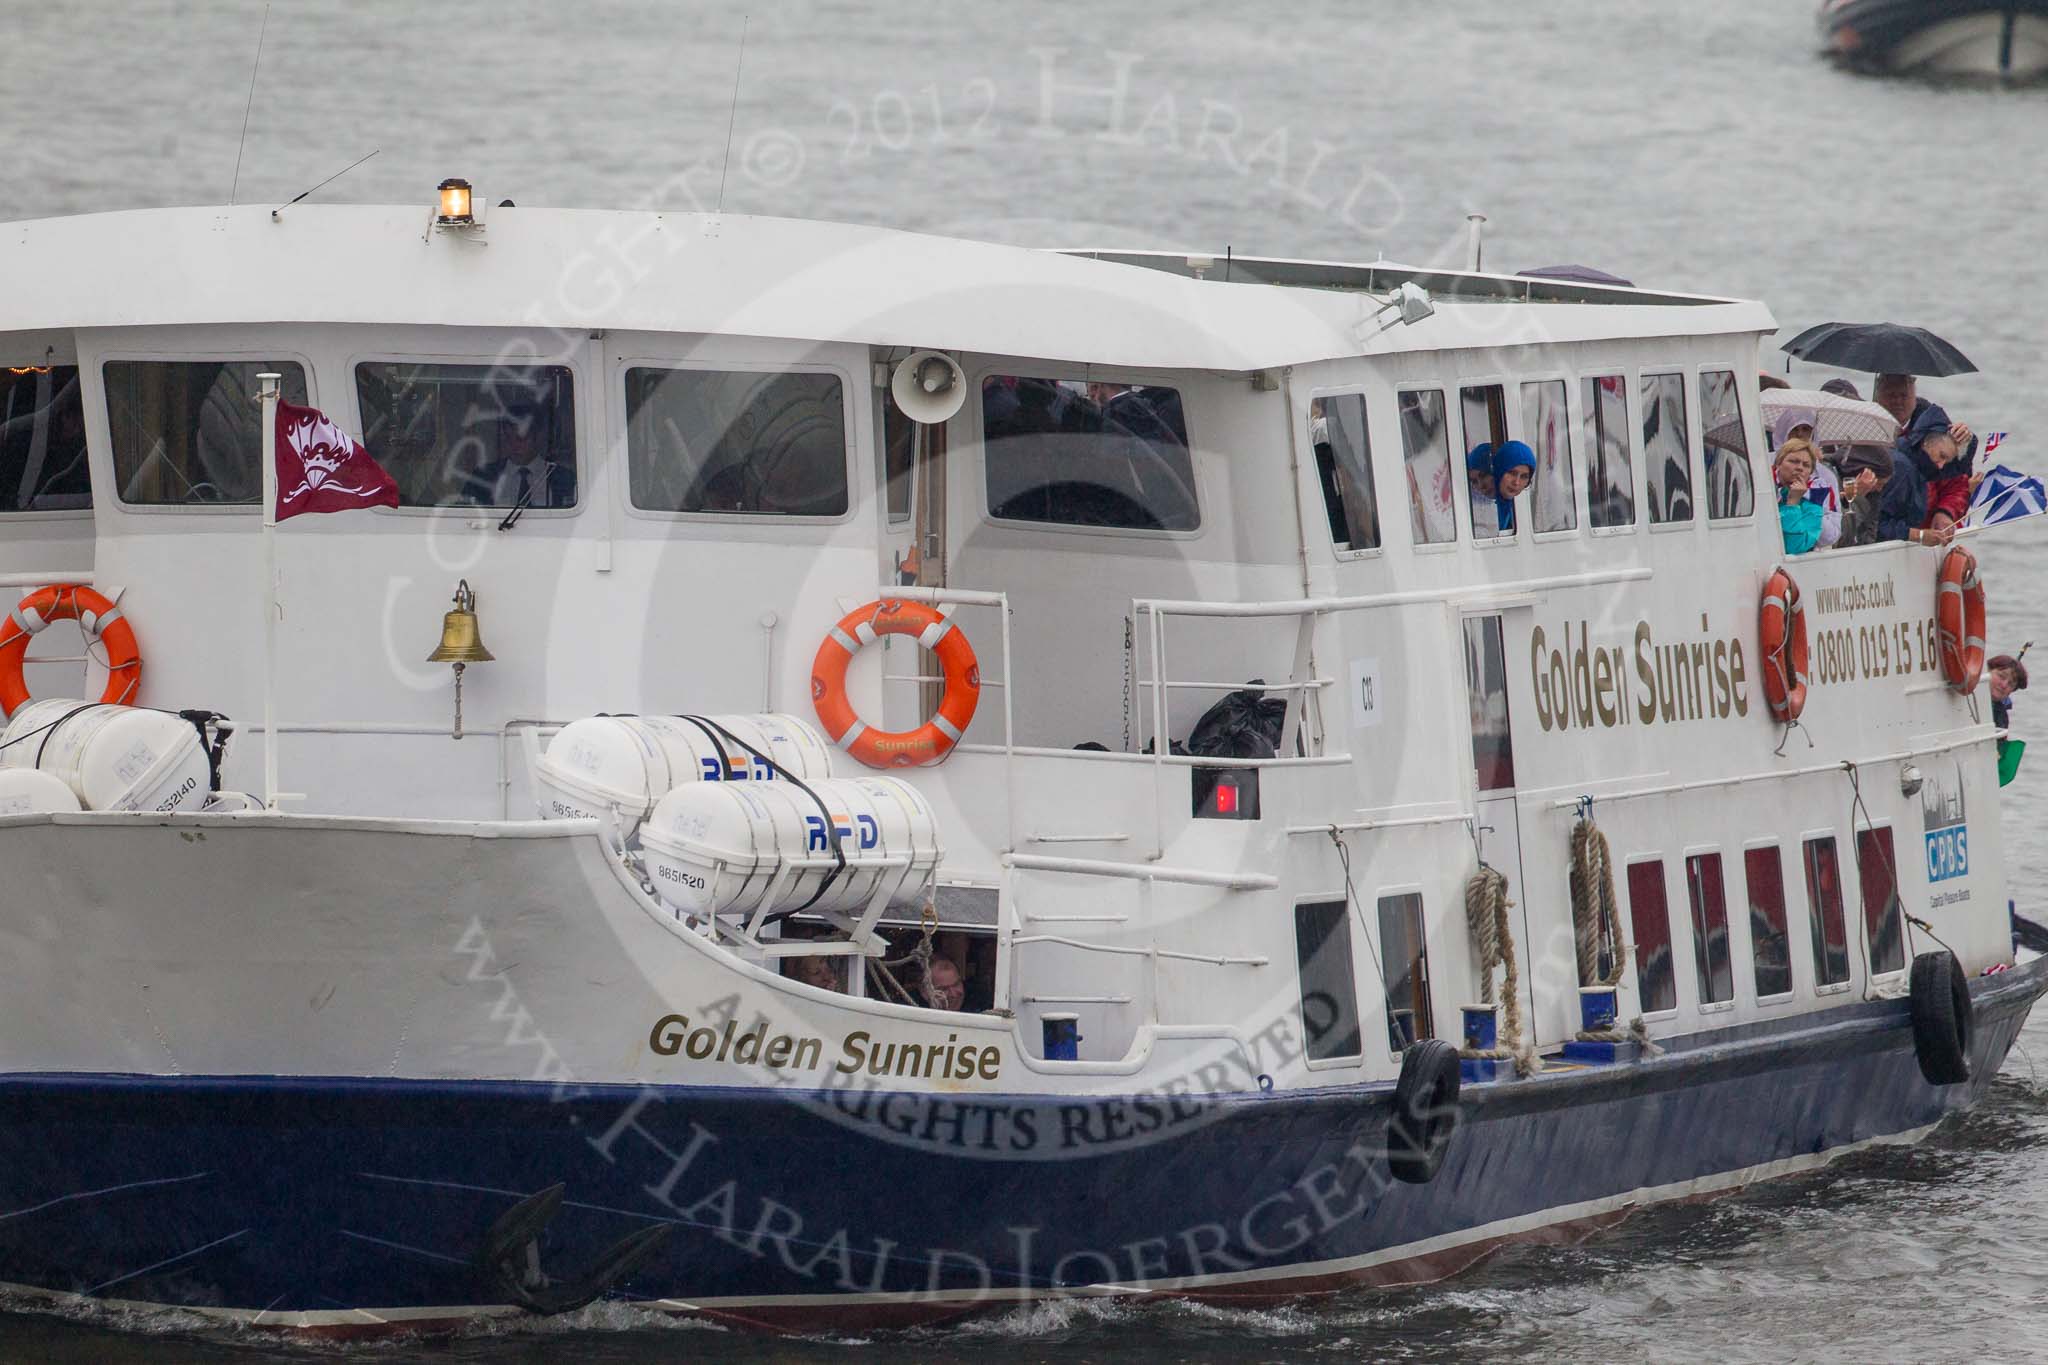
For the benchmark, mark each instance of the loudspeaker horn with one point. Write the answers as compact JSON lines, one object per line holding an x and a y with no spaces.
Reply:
{"x":928,"y":387}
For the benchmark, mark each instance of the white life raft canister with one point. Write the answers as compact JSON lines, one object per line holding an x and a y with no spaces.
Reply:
{"x":718,"y":848}
{"x":627,"y":763}
{"x":24,"y":791}
{"x":111,"y":757}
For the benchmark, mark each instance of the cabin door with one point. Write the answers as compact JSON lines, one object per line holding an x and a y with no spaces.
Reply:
{"x":913,"y":540}
{"x":1499,"y":832}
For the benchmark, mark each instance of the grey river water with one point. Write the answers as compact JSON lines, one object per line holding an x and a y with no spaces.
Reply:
{"x":1697,"y":147}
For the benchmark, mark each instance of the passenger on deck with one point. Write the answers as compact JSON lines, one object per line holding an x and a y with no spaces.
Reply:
{"x":1514,"y":466}
{"x":1943,"y":466}
{"x":1797,"y":424}
{"x":1864,"y":472}
{"x":945,"y":987}
{"x":1799,"y":515}
{"x":1841,"y":388}
{"x":821,"y":972}
{"x":2008,"y":675}
{"x":1479,"y":479}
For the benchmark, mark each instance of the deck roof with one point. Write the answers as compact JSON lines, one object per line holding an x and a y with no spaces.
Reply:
{"x":775,"y":277}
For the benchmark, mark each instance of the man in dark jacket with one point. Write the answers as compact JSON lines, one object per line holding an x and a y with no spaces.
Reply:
{"x":1944,"y":482}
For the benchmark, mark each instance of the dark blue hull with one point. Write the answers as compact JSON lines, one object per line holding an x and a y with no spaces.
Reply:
{"x":308,"y":1200}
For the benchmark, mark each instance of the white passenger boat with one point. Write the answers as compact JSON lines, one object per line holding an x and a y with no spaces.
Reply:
{"x":2001,"y":39}
{"x":980,"y":774}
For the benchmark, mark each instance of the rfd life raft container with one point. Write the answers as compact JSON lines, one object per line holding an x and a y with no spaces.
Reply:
{"x":24,"y":791}
{"x":627,"y":763}
{"x":732,"y":848}
{"x":111,"y":757}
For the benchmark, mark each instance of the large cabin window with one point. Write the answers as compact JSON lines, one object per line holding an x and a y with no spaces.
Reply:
{"x":1876,"y":874}
{"x":736,"y":441}
{"x":1610,"y":484}
{"x":1329,"y":991}
{"x":1406,"y":965}
{"x":1709,"y":900}
{"x":1486,"y":430}
{"x":472,"y":435}
{"x":1344,"y":469}
{"x":189,"y":433}
{"x":1667,"y":453}
{"x":1650,"y":917}
{"x":42,"y":440}
{"x":1731,"y":485}
{"x":1830,"y":929}
{"x":1763,"y":873}
{"x":1548,"y":425}
{"x":1071,"y":453}
{"x":1426,"y":455}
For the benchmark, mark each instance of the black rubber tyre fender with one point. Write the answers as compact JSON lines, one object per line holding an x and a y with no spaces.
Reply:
{"x":1425,"y":1111}
{"x":1942,"y":1018}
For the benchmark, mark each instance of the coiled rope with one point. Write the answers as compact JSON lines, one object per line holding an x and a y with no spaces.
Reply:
{"x":1596,"y":925}
{"x":1493,"y":944}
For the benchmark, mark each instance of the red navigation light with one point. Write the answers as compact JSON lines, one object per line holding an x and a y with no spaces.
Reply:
{"x":1226,"y":796}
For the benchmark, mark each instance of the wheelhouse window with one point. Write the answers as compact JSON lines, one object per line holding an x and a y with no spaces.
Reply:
{"x":1329,"y":991}
{"x":1650,"y":917}
{"x":1486,"y":429}
{"x":1709,"y":928}
{"x":1731,"y":484}
{"x":1344,"y":469}
{"x":1406,"y":964}
{"x":1667,"y":455}
{"x":1763,"y":873}
{"x":1824,"y":894}
{"x":1426,"y":454}
{"x":1547,"y":424}
{"x":1071,"y":453}
{"x":472,"y":435}
{"x":751,"y":442}
{"x":1610,"y":483}
{"x":1876,"y":875}
{"x":189,"y":433}
{"x":42,"y":440}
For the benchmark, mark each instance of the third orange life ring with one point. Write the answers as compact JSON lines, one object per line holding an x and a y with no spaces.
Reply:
{"x":933,"y":740}
{"x":1959,"y":620}
{"x":103,"y":625}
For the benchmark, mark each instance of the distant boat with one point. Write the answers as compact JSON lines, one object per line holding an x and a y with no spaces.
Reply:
{"x":2002,"y":38}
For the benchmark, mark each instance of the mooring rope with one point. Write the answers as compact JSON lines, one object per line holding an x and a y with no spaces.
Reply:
{"x":1493,"y":943}
{"x":1596,"y":922}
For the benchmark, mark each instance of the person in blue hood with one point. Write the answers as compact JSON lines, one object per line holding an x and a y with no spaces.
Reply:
{"x":1514,"y":466}
{"x":1479,"y":481}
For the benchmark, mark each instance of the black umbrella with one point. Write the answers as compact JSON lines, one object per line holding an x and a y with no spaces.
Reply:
{"x":1879,"y":348}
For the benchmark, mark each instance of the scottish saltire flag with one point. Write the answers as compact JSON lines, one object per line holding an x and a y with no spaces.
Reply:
{"x":2007,"y":495}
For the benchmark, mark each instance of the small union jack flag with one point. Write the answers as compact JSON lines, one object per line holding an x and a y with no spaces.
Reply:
{"x":1993,"y":441}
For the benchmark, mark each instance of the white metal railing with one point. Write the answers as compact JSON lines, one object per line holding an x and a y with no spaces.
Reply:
{"x":43,"y":580}
{"x":967,"y":597}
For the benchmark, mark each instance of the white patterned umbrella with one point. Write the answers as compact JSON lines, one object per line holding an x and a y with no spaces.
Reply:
{"x":1837,"y":420}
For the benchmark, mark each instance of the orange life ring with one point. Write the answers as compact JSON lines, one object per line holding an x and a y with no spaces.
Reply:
{"x":102,"y":623}
{"x":1781,"y":621}
{"x":1959,"y":620}
{"x":933,"y":740}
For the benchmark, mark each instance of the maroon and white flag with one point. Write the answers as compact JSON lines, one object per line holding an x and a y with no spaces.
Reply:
{"x":320,"y":468}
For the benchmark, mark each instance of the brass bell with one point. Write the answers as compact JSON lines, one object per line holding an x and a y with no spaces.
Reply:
{"x":461,"y":642}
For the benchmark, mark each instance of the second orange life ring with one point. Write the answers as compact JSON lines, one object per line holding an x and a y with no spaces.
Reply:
{"x":103,"y":625}
{"x":1959,"y":620}
{"x":1781,"y":624}
{"x":933,"y":740}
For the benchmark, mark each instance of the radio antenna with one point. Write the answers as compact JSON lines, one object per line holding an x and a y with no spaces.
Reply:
{"x":328,"y":181}
{"x":243,"y":141}
{"x":732,"y":114}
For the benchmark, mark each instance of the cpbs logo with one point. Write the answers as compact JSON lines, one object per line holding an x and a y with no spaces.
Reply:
{"x":1948,"y":829}
{"x":817,"y":841}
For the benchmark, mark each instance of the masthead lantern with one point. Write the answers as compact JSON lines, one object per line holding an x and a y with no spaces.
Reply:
{"x":455,"y":208}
